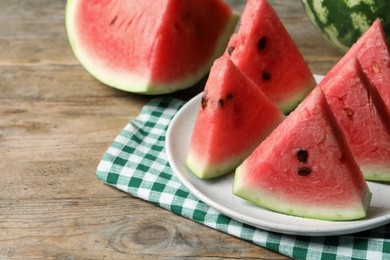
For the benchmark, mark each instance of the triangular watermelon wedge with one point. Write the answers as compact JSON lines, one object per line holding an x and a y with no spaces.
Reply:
{"x":361,"y":114}
{"x":233,"y":118}
{"x":372,"y":51}
{"x":265,"y":52}
{"x":149,"y":47}
{"x":305,"y":168}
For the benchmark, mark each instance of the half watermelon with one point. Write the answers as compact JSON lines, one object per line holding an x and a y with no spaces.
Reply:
{"x":305,"y":168}
{"x":362,"y":116}
{"x":265,"y":52}
{"x":233,"y":118}
{"x":343,"y":22}
{"x":149,"y":47}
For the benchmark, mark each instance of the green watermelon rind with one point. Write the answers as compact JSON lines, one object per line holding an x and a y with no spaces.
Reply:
{"x":294,"y":100}
{"x":131,"y":82}
{"x":212,"y":171}
{"x":342,"y":22}
{"x":198,"y":169}
{"x":347,"y":213}
{"x":376,"y":172}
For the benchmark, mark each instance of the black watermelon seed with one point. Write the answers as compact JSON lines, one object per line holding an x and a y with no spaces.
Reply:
{"x":302,"y":155}
{"x":221,"y":102}
{"x":304,"y":171}
{"x":229,"y":96}
{"x":266,"y":75}
{"x":262,"y":43}
{"x":230,"y":50}
{"x":204,"y":102}
{"x":113,"y":20}
{"x":349,"y":112}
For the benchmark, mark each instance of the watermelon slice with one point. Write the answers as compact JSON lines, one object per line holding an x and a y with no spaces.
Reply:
{"x":305,"y":168}
{"x":149,"y":47}
{"x":264,"y":51}
{"x":373,"y":53}
{"x":361,"y":114}
{"x":232,"y":107}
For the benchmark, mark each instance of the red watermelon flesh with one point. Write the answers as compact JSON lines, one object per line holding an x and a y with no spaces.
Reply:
{"x":361,"y":114}
{"x":265,"y":52}
{"x":149,"y":46}
{"x":372,"y":51}
{"x":305,"y":168}
{"x":233,"y":118}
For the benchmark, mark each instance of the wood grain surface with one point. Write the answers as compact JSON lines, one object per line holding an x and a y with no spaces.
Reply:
{"x":56,"y":121}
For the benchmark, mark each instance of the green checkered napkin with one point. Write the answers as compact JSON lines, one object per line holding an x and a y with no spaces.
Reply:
{"x":136,"y":163}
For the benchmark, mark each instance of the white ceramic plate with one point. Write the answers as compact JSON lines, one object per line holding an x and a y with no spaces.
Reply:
{"x":217,"y":193}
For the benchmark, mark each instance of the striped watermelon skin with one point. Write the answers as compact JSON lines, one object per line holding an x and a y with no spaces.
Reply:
{"x":342,"y":22}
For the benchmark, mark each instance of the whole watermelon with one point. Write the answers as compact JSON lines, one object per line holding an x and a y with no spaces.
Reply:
{"x":342,"y":22}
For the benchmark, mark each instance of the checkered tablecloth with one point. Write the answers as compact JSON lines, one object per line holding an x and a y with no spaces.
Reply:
{"x":136,"y":162}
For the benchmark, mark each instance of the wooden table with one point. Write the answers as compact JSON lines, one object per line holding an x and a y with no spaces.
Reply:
{"x":56,"y":121}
